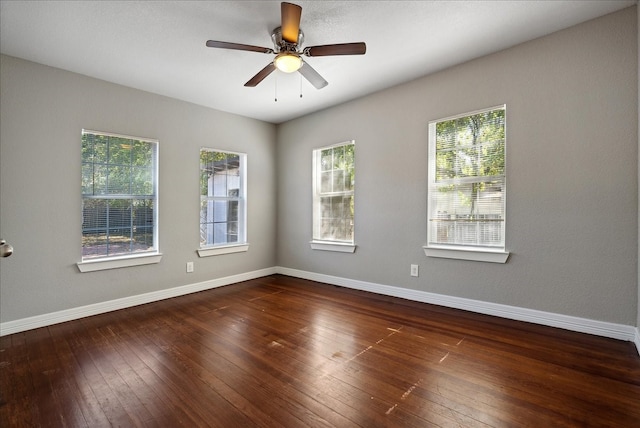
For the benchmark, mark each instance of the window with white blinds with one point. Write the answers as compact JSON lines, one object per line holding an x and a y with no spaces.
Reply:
{"x":222,"y":198}
{"x":466,"y":203}
{"x":333,"y":193}
{"x":119,"y":195}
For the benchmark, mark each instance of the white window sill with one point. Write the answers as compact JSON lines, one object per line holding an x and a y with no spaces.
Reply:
{"x":467,"y":254}
{"x":333,"y":246}
{"x":227,"y":249}
{"x":119,"y":262}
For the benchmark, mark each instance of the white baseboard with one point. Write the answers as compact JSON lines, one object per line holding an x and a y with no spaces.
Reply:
{"x":582,"y":325}
{"x":38,"y":321}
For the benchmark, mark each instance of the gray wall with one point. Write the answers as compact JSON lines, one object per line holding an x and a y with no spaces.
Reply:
{"x":638,"y":20}
{"x":572,"y":111}
{"x":43,"y":111}
{"x":572,"y":165}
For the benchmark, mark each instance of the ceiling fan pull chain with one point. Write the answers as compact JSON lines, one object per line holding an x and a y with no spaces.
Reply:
{"x":276,"y":88}
{"x":301,"y":86}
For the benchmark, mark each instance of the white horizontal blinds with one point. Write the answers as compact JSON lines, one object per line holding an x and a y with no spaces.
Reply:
{"x":221,"y":198}
{"x":119,"y":191}
{"x":467,"y":180}
{"x":334,"y":197}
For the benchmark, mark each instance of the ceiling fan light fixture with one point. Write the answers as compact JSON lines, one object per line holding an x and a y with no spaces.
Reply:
{"x":287,"y":45}
{"x":288,"y":62}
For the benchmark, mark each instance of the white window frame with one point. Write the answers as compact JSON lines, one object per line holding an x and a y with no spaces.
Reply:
{"x":241,"y":245}
{"x":317,"y":243}
{"x":151,"y":256}
{"x":496,"y":254}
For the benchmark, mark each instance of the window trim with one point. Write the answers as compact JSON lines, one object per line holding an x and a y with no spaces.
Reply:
{"x":140,"y":259}
{"x":241,"y":245}
{"x":467,"y":253}
{"x":221,"y":249}
{"x":323,"y":244}
{"x":333,"y":246}
{"x":463,"y":252}
{"x":134,"y":259}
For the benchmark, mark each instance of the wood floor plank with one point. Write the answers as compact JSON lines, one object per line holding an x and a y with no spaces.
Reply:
{"x":197,"y":399}
{"x":217,"y":373}
{"x":18,"y":409}
{"x":284,"y":352}
{"x":78,"y":383}
{"x":266,"y":362}
{"x":250,"y":358}
{"x":94,"y":358}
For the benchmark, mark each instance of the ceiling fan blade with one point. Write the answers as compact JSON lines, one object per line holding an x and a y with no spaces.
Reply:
{"x":237,"y":46}
{"x":261,"y":75}
{"x":338,"y":49}
{"x":290,"y":21}
{"x":312,"y":76}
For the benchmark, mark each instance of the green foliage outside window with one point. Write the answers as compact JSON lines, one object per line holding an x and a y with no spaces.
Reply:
{"x":334,"y":200}
{"x":466,"y":203}
{"x":118,"y":195}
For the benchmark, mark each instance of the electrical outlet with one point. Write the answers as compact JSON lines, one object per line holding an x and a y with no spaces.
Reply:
{"x":189,"y":267}
{"x":414,"y":270}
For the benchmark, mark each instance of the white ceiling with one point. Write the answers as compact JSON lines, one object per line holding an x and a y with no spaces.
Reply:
{"x":159,"y":46}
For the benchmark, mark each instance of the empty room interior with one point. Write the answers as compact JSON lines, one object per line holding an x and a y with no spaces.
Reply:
{"x":349,"y":214}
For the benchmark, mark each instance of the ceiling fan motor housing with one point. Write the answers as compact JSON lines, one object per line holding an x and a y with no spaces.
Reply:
{"x":281,"y":45}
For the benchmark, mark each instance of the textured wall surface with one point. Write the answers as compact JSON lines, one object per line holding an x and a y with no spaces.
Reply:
{"x":572,"y":176}
{"x":43,"y":112}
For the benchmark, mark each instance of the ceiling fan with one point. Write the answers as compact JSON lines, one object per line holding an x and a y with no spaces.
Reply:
{"x":287,"y":41}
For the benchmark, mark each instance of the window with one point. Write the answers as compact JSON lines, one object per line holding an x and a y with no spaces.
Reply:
{"x":333,"y":197}
{"x":222,"y":200}
{"x":466,"y":204}
{"x":119,"y":196}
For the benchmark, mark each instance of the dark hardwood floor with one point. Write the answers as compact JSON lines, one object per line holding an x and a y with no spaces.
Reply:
{"x":284,"y":352}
